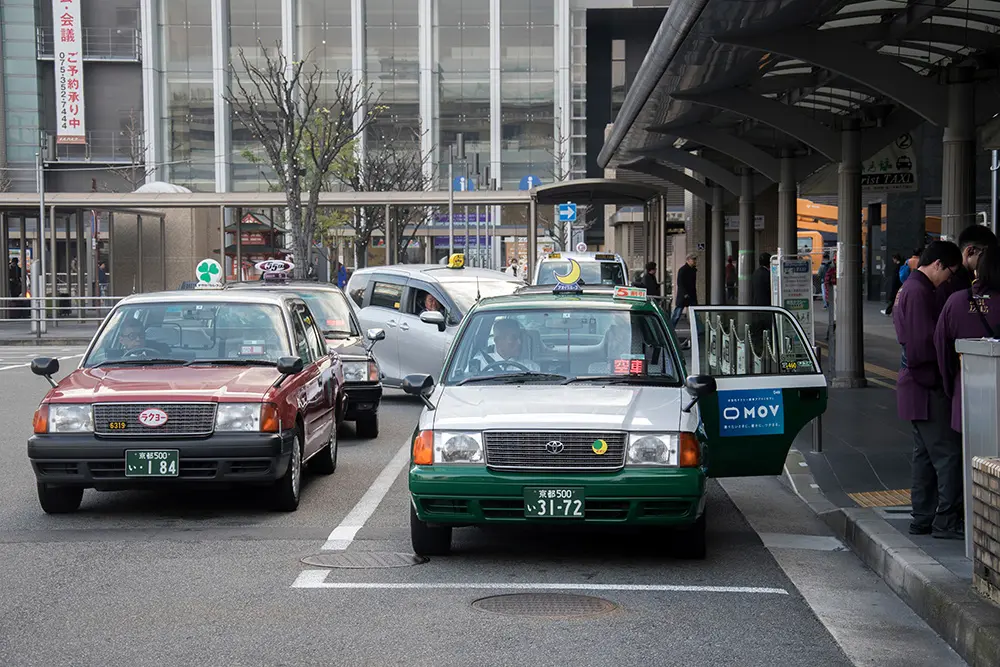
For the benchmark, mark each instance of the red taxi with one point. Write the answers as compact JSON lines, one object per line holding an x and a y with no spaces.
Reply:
{"x":194,"y":387}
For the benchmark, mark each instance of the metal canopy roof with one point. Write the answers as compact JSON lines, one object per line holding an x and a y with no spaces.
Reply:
{"x":744,"y":81}
{"x":594,"y":191}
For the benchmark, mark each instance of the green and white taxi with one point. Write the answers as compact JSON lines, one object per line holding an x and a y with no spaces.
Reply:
{"x":574,"y":404}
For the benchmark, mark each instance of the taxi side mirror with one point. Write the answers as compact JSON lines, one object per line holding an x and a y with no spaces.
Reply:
{"x":433,"y":317}
{"x":375,"y":335}
{"x":290,"y":365}
{"x":420,"y":385}
{"x":699,"y":387}
{"x":46,"y":367}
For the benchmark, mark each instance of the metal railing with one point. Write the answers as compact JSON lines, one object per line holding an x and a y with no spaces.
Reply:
{"x":121,"y":44}
{"x":103,"y":146}
{"x":40,"y":315}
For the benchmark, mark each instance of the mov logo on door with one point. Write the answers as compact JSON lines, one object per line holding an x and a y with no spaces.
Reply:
{"x":751,"y":412}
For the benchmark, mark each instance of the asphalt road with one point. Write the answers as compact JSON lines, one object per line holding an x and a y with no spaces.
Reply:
{"x":143,"y":578}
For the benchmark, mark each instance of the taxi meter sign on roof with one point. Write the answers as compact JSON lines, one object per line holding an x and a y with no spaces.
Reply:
{"x":209,"y":274}
{"x":274,"y":268}
{"x":636,"y":293}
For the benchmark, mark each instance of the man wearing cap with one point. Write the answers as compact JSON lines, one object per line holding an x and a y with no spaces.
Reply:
{"x":687,"y":288}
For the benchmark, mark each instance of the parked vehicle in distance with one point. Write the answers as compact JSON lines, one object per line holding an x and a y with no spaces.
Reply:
{"x":595,"y":268}
{"x":419,"y":307}
{"x":200,"y":388}
{"x":344,"y":337}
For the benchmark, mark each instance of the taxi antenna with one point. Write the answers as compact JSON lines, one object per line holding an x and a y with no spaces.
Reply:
{"x":477,"y":290}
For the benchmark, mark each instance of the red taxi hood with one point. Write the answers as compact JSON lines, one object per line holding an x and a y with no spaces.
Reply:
{"x":166,"y":383}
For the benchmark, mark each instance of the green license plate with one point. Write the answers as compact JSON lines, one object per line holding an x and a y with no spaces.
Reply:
{"x":554,"y":503}
{"x":151,"y":462}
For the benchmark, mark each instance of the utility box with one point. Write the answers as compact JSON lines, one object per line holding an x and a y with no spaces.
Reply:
{"x":980,"y":414}
{"x":986,"y":527}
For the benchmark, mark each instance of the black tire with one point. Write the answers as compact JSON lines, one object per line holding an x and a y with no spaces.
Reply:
{"x":689,"y":543}
{"x":325,"y":460}
{"x":286,"y":491}
{"x":427,"y":539}
{"x":59,"y":499}
{"x":367,"y":426}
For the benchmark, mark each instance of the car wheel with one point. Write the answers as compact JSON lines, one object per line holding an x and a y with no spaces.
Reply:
{"x":428,"y":540}
{"x":367,"y":426}
{"x":285,"y":493}
{"x":59,"y":499}
{"x":690,"y":542}
{"x":325,"y":461}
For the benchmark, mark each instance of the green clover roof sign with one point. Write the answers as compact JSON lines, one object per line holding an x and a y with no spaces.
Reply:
{"x":209,"y":272}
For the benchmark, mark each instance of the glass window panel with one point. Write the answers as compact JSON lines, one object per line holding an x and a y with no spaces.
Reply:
{"x":618,"y":49}
{"x":19,"y":84}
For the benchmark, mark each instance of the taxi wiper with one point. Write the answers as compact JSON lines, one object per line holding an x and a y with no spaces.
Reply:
{"x":232,"y":362}
{"x":138,"y":362}
{"x":625,"y":379}
{"x":515,"y":377}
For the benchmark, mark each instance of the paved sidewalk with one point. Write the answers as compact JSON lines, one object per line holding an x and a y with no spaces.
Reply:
{"x":859,"y":484}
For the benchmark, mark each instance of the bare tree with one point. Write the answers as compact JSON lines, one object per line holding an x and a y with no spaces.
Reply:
{"x":559,"y":232}
{"x":136,"y":171}
{"x":302,"y":136}
{"x":6,"y":183}
{"x":395,"y":164}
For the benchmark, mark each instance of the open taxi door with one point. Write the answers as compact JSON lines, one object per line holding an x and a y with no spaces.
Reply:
{"x":769,"y":384}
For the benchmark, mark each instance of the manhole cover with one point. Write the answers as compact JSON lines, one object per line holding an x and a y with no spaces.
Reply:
{"x":364,"y":560}
{"x":546,"y":605}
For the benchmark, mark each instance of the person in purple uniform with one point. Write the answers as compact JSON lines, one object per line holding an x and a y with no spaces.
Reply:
{"x":936,"y":489}
{"x":972,"y":313}
{"x":972,"y":242}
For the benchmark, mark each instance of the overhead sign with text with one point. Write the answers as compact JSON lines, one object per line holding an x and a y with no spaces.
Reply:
{"x":733,"y":223}
{"x":893,"y":169}
{"x":68,"y":51}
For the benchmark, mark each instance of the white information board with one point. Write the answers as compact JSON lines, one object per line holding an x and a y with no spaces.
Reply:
{"x":793,"y":290}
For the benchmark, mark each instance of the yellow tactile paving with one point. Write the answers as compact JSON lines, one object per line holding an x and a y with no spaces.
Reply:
{"x":895,"y":498}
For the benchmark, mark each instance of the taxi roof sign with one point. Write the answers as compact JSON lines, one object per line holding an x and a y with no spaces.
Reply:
{"x":209,"y":274}
{"x":630,"y":293}
{"x":567,"y":288}
{"x":605,"y":256}
{"x":456,"y":261}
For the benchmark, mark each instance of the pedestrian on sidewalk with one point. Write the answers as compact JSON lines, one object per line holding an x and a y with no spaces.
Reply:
{"x":730,"y":281}
{"x":823,"y":268}
{"x":972,"y":241}
{"x":649,"y":282}
{"x":895,"y":282}
{"x":687,"y":288}
{"x":760,"y":282}
{"x":972,"y":313}
{"x":936,"y":489}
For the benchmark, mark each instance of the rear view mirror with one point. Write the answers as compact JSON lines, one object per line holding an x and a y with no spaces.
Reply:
{"x":46,"y":367}
{"x":433,"y":317}
{"x":375,"y":335}
{"x":699,"y":386}
{"x":420,"y":385}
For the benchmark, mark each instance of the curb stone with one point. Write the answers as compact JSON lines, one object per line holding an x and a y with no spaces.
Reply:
{"x":949,"y":605}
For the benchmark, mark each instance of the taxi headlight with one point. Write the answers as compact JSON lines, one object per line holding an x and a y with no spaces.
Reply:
{"x":238,"y":417}
{"x":70,"y":418}
{"x":653,"y":449}
{"x":452,"y":447}
{"x":355,"y":371}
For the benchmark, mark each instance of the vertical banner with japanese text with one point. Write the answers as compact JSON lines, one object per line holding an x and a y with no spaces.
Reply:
{"x":68,"y":50}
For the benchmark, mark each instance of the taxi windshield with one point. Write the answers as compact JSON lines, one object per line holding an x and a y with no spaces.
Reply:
{"x":331,"y":312}
{"x":190,"y":332}
{"x":562,"y":345}
{"x":592,"y":272}
{"x":464,"y":292}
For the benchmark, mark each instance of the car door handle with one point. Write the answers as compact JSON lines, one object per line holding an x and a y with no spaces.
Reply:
{"x":404,"y":326}
{"x":391,"y":323}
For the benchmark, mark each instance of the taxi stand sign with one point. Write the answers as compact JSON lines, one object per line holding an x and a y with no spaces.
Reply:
{"x":209,"y":274}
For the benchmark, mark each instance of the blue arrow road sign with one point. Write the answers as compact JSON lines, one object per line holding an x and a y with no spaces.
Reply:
{"x":567,"y":212}
{"x":529,"y":182}
{"x":463,"y":184}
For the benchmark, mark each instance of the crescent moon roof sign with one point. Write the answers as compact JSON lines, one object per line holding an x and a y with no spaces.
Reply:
{"x":573,"y":277}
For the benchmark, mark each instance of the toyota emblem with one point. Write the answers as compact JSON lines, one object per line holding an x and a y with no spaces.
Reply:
{"x":554,"y":447}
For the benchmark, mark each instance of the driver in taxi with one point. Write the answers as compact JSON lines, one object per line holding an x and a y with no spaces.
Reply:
{"x":133,"y":338}
{"x":431,"y":303}
{"x":508,"y":340}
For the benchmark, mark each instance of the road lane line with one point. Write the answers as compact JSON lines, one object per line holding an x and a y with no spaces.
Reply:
{"x":316,"y":579}
{"x":7,"y":368}
{"x":343,"y":535}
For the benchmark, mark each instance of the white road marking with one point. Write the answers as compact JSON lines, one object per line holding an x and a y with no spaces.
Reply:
{"x":343,"y":535}
{"x":317,"y":579}
{"x":7,"y":368}
{"x":809,"y":542}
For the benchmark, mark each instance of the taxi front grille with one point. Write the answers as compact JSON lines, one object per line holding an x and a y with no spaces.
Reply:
{"x":183,"y":419}
{"x":554,"y":450}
